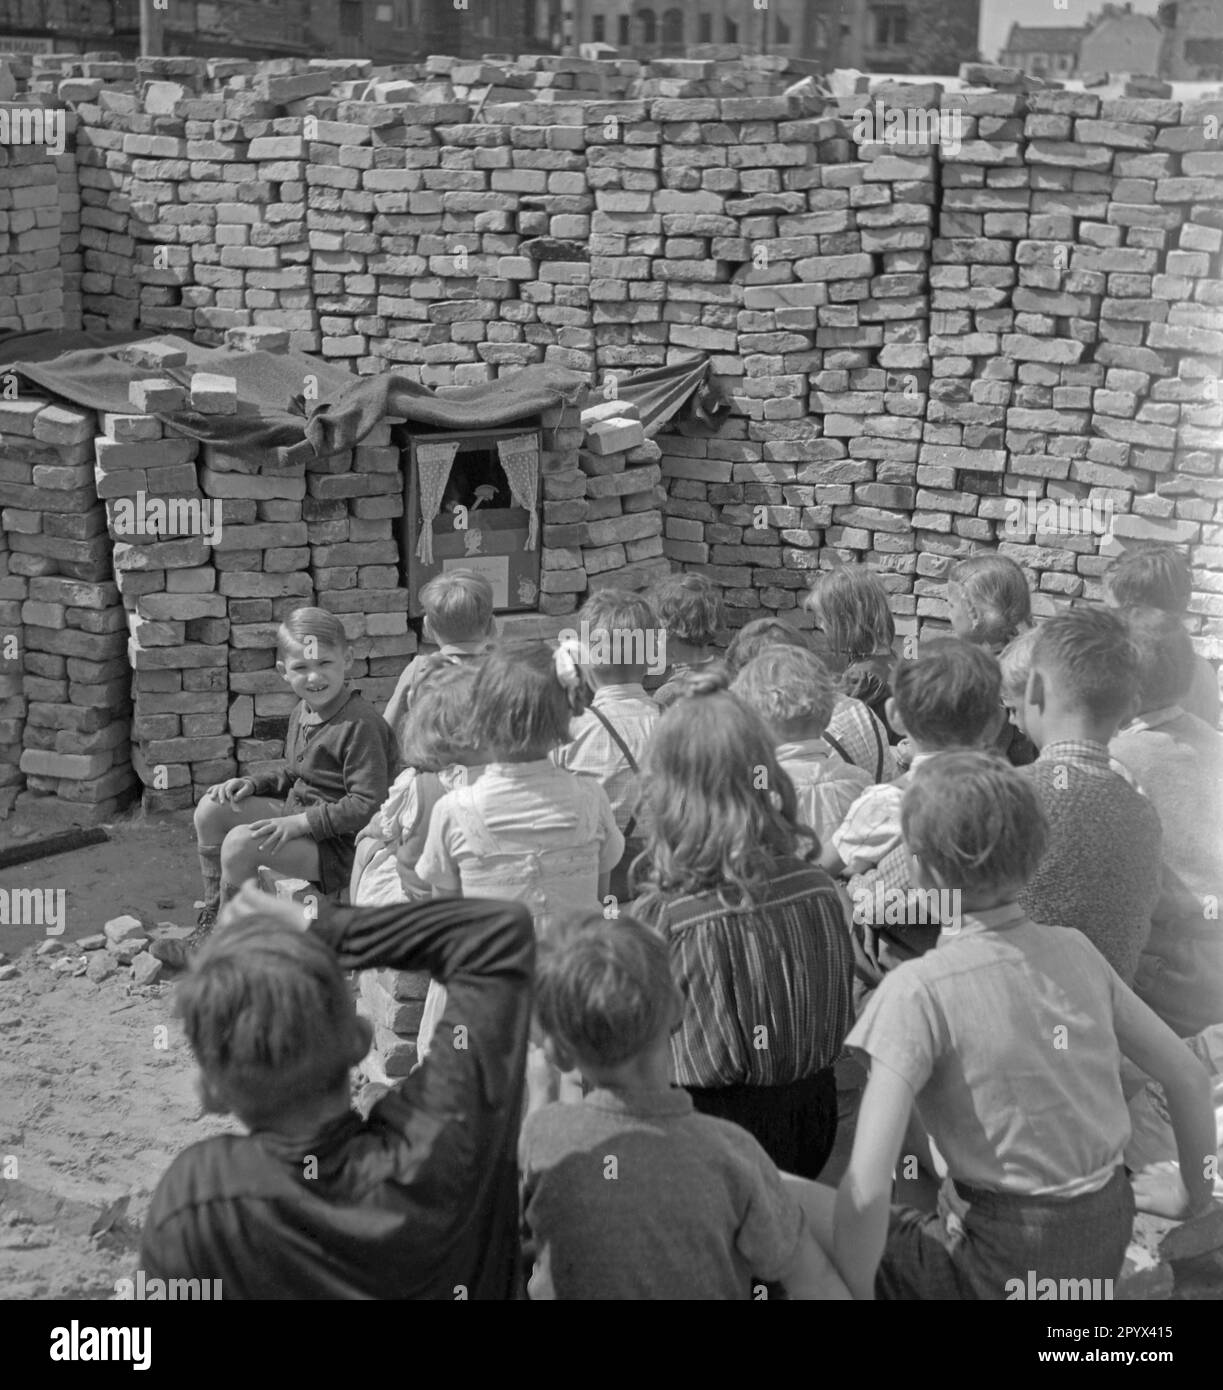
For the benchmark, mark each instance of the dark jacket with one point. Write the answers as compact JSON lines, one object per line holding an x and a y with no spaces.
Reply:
{"x":420,"y":1201}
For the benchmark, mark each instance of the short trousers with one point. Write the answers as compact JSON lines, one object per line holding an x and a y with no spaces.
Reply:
{"x":1003,"y":1237}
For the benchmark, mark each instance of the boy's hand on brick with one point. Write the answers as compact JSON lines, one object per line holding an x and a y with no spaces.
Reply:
{"x":270,"y":834}
{"x":234,"y":789}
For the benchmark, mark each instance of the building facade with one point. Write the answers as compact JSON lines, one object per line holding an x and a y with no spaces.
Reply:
{"x":655,"y":29}
{"x":1192,"y":40}
{"x":874,"y":35}
{"x":388,"y":31}
{"x":927,"y":37}
{"x":1051,"y":51}
{"x":1119,"y":40}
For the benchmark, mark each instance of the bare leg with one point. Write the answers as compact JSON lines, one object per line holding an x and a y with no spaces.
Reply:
{"x":241,"y":856}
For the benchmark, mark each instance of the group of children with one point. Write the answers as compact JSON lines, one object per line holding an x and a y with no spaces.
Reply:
{"x":706,"y":935}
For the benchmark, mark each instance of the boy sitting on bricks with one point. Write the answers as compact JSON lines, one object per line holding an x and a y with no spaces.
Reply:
{"x":301,"y":819}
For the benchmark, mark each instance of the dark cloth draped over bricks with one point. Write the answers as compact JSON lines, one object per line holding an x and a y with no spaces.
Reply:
{"x":276,"y":411}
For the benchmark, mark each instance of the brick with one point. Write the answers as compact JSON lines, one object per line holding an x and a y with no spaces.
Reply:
{"x":614,"y":436}
{"x":156,"y":395}
{"x":212,"y":394}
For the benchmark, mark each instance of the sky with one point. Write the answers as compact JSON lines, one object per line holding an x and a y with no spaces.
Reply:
{"x":997,"y":16}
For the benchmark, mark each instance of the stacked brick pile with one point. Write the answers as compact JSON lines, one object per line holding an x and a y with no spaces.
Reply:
{"x":71,"y":256}
{"x":206,"y":593}
{"x":1070,"y":350}
{"x":31,"y":274}
{"x":351,"y":512}
{"x":763,"y":265}
{"x":75,"y":680}
{"x":1086,"y":375}
{"x":371,"y":218}
{"x":913,"y":335}
{"x":607,"y":529}
{"x":394,"y":1002}
{"x":13,"y":591}
{"x":177,"y":626}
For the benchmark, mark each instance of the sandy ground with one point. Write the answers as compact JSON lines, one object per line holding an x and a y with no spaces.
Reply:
{"x":97,"y":1086}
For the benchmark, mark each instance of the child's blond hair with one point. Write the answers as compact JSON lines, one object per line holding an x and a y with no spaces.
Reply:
{"x":998,"y":591}
{"x":1015,"y":662}
{"x":851,"y":605}
{"x":761,"y":633}
{"x":784,"y":684}
{"x":269,"y":1017}
{"x":311,"y":625}
{"x":689,"y":607}
{"x":519,"y":704}
{"x":974,"y":821}
{"x":432,"y":736}
{"x":604,"y":989}
{"x":719,"y":810}
{"x":458,"y":606}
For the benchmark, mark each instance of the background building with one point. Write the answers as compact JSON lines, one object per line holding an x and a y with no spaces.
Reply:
{"x":387,"y":31}
{"x":647,"y":29}
{"x":1051,"y":51}
{"x":876,"y":35}
{"x":1193,"y":40}
{"x":1118,"y":40}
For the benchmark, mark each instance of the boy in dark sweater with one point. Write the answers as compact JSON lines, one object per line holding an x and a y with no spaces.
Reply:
{"x":303,"y":818}
{"x":1101,"y":872}
{"x":419,"y":1200}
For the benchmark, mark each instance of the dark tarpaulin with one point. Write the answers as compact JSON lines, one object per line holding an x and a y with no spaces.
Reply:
{"x":293,"y":408}
{"x":661,"y":393}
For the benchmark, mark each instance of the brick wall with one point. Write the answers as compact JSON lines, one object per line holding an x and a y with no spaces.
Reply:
{"x":913,"y":334}
{"x":64,"y":677}
{"x":939,"y":330}
{"x":913,"y":337}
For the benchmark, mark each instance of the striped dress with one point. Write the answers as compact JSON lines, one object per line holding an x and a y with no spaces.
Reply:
{"x":767,"y":985}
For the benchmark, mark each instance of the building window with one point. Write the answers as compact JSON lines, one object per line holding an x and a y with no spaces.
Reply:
{"x":350,"y":18}
{"x":648,"y":24}
{"x":598,"y":29}
{"x":704,"y":28}
{"x":673,"y":28}
{"x":891,"y":27}
{"x":624,"y":31}
{"x":730,"y":31}
{"x":781,"y":32}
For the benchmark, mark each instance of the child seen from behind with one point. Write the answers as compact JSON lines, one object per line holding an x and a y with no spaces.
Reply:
{"x":791,"y":690}
{"x":695,"y":1208}
{"x":968,"y":1037}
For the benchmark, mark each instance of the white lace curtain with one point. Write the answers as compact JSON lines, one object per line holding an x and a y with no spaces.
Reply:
{"x":433,"y":463}
{"x":520,"y":459}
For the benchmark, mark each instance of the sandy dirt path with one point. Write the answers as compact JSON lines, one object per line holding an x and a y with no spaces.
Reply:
{"x":97,"y":1088}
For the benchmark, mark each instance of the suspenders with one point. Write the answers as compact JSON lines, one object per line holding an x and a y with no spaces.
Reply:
{"x":628,"y":757}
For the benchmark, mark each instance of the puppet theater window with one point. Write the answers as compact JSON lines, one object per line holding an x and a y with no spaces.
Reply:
{"x":472,"y":501}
